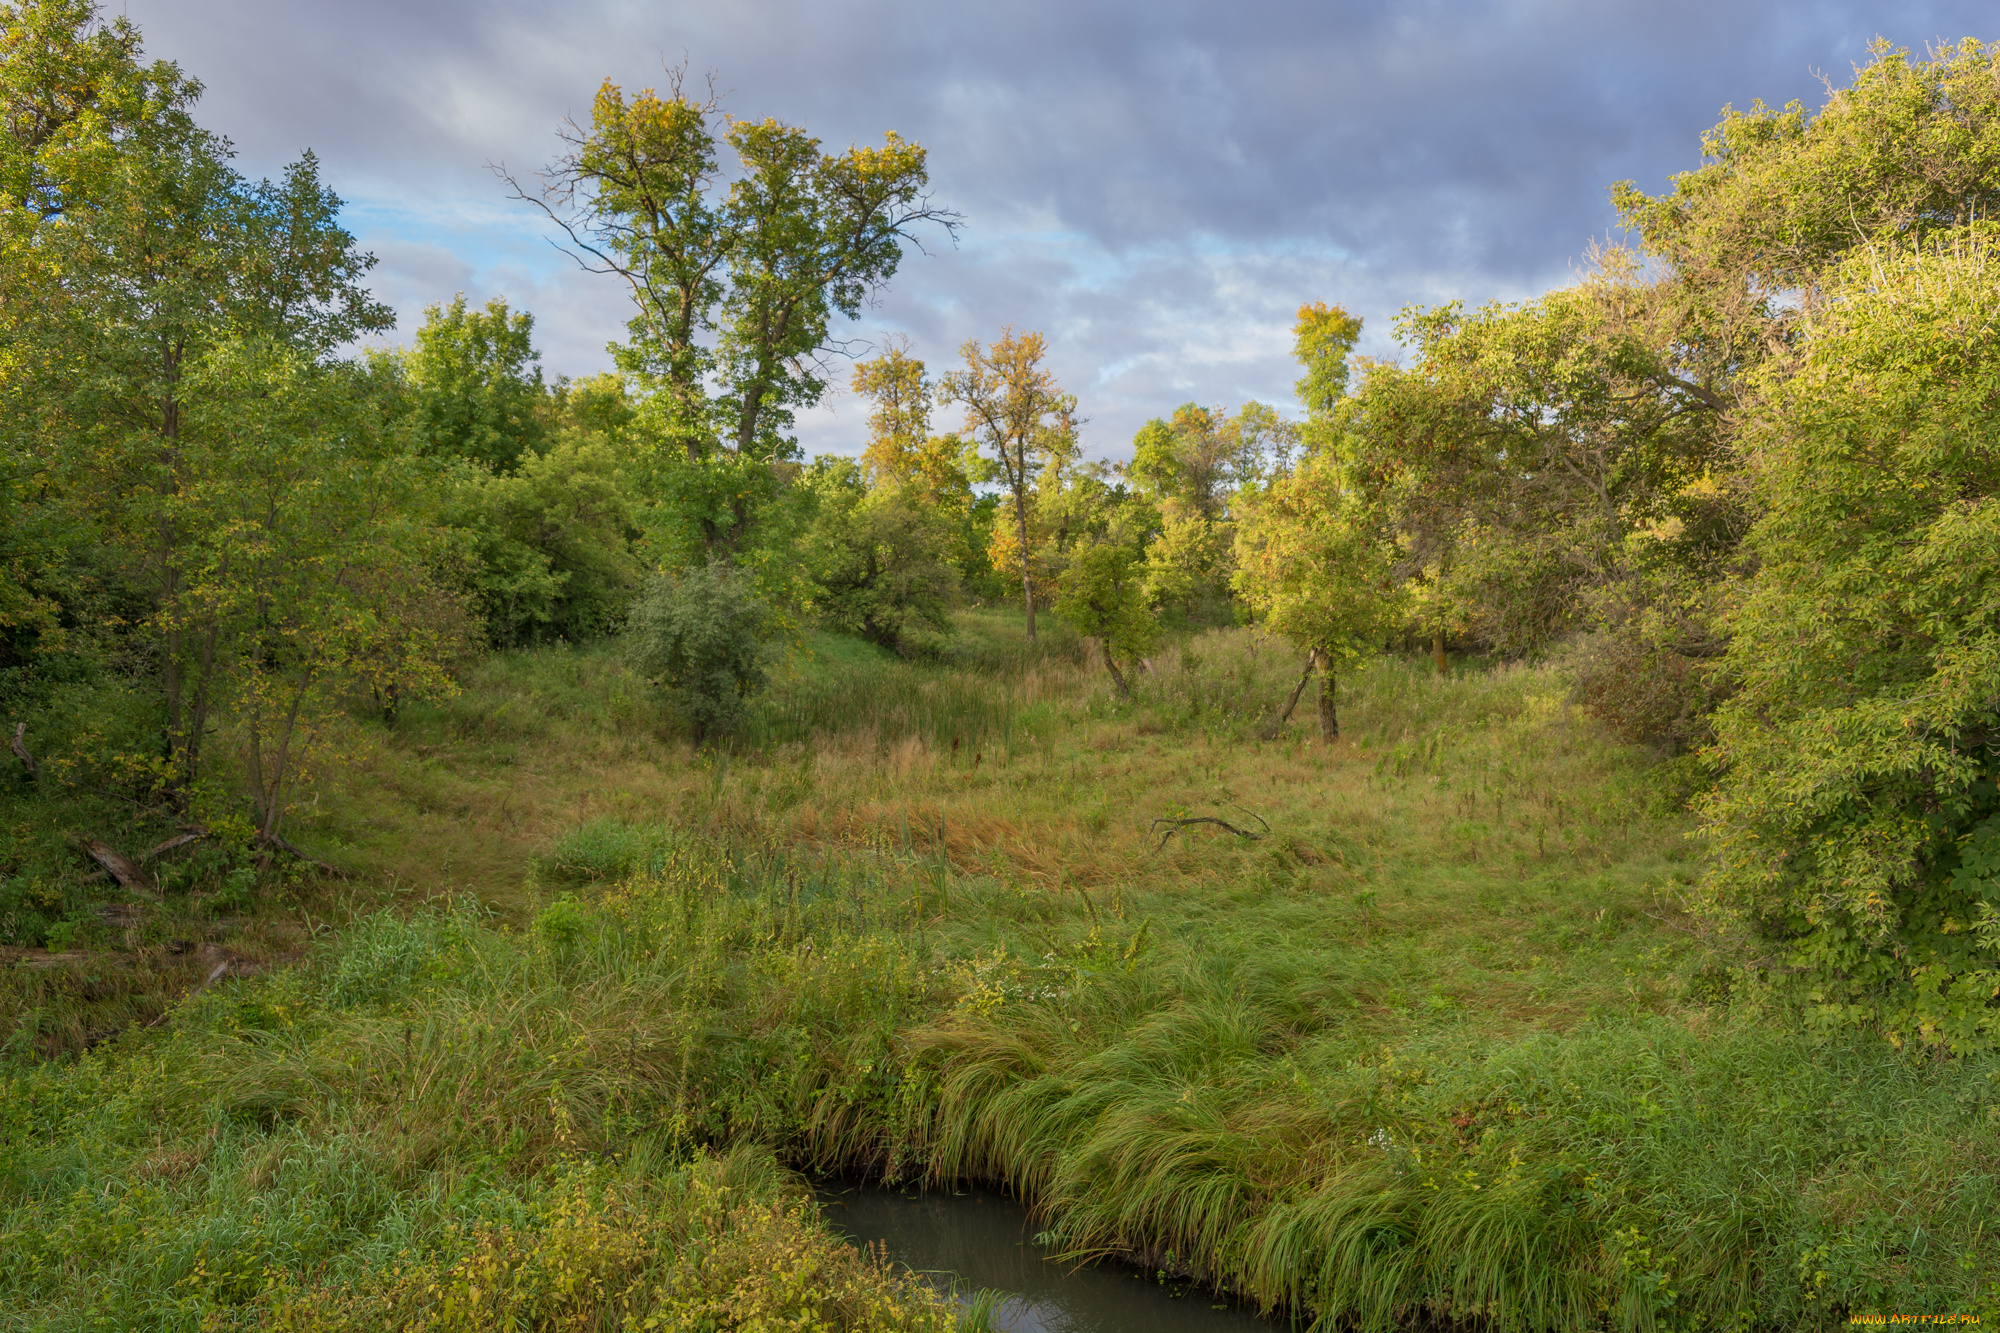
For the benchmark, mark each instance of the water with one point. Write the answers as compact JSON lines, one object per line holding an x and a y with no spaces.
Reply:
{"x":982,"y":1239}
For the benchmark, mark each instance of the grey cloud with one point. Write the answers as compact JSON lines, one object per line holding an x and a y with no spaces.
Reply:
{"x":1156,"y":184}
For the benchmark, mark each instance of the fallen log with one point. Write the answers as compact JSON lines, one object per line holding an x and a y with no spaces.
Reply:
{"x":122,"y":869}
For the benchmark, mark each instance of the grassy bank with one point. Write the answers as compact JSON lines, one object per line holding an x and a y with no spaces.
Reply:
{"x":1440,"y":1040}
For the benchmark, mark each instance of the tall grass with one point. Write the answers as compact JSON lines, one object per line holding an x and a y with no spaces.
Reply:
{"x":980,"y":694}
{"x":1438,"y":1043}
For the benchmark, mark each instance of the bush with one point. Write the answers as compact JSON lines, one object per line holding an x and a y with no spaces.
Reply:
{"x":706,"y":640}
{"x":878,"y":564}
{"x":1647,"y":691}
{"x":1857,"y":799}
{"x":551,"y":544}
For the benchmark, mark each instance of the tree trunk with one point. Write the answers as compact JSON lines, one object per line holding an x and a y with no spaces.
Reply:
{"x":1117,"y":676}
{"x":1312,"y":660}
{"x":181,"y":757}
{"x":1329,"y":722}
{"x":1437,"y":650}
{"x":746,"y":424}
{"x":1027,"y":574}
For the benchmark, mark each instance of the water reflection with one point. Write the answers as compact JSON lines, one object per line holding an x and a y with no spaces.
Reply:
{"x":983,"y":1239}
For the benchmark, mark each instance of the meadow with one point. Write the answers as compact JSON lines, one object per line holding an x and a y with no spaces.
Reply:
{"x":1422,"y":1028}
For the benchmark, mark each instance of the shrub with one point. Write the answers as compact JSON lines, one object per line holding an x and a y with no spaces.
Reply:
{"x":877,"y":563}
{"x":1647,"y":691}
{"x":1857,"y":760}
{"x":706,"y":640}
{"x":551,"y":544}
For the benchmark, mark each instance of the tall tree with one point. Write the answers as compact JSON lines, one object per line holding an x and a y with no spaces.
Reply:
{"x":166,"y":256}
{"x":736,"y":290}
{"x":1017,"y":413}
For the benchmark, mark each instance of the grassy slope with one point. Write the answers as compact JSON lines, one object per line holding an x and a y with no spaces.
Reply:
{"x":1443,"y":1040}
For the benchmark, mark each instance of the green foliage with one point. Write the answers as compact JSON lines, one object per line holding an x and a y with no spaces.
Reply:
{"x":876,"y":562}
{"x":475,"y":390}
{"x":1201,"y":457}
{"x":1015,"y":411}
{"x":1858,"y":755}
{"x":1316,"y":570}
{"x":737,"y":289}
{"x":706,"y":640}
{"x":551,"y":543}
{"x":1323,"y":338}
{"x":1907,"y":150}
{"x":1522,"y":448}
{"x":168,"y":327}
{"x":1102,"y":597}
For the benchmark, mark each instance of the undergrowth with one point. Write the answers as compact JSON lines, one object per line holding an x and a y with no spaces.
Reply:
{"x":1438,"y":1043}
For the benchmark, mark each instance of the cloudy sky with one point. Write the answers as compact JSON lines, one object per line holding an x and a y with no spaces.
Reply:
{"x":1156,"y":185}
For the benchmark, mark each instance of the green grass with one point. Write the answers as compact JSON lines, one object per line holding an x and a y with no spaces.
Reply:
{"x":1443,"y":1042}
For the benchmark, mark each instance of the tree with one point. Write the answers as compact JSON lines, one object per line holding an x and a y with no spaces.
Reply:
{"x":1856,"y":820}
{"x":476,"y":388}
{"x":73,"y":92}
{"x":552,"y":543}
{"x":1101,"y":596}
{"x":308,"y":575}
{"x":166,"y":256}
{"x":899,"y":420}
{"x":1521,"y":448}
{"x":735,"y":291}
{"x":935,"y":470}
{"x":1192,"y":468}
{"x":706,"y":639}
{"x":876,"y":560}
{"x":1313,"y":557}
{"x":1189,"y":560}
{"x":1202,"y":457}
{"x":1909,"y":149}
{"x":1015,"y":411}
{"x":1323,"y":337}
{"x":1317,"y":571}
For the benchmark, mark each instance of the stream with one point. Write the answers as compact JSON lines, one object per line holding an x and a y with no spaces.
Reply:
{"x":979,"y":1238}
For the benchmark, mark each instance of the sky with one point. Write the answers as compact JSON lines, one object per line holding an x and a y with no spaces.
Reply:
{"x":1156,"y":186}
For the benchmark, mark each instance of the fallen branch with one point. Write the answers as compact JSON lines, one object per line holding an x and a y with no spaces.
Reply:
{"x":1176,"y":825}
{"x":21,"y":751}
{"x":177,"y":841}
{"x":122,"y":869}
{"x":1254,"y":815}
